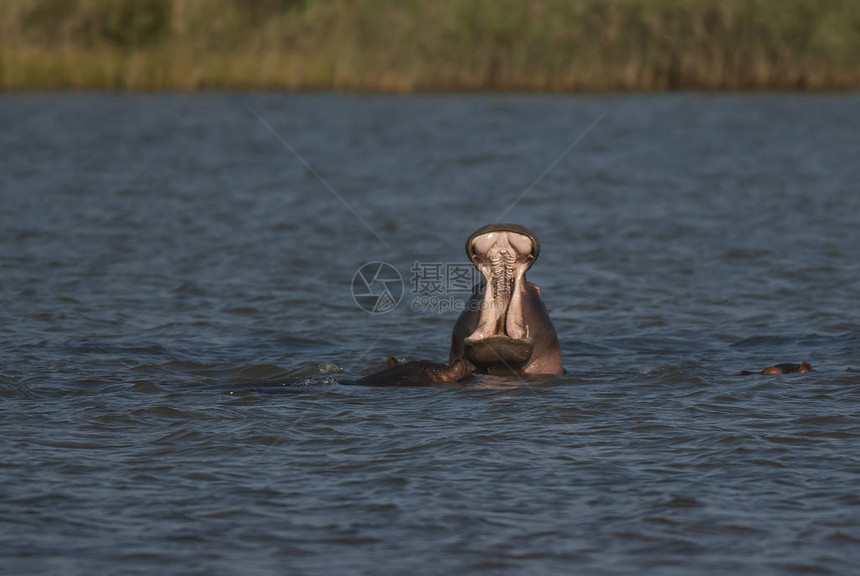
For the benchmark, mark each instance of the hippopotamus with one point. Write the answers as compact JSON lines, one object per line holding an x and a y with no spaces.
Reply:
{"x":505,"y":327}
{"x":415,"y":373}
{"x":782,"y":369}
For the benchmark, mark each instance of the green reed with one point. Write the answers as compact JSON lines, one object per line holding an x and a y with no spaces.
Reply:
{"x":430,"y":45}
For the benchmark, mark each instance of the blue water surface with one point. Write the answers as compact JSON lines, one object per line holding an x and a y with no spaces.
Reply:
{"x":177,"y":325}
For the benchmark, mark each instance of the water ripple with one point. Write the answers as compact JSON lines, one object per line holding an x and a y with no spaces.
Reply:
{"x":177,"y":324}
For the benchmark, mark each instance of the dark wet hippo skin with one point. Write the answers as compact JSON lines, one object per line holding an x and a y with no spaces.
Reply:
{"x":415,"y":373}
{"x":782,"y":369}
{"x":505,"y":327}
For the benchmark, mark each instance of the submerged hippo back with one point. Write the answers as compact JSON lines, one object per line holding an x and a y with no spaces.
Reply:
{"x":415,"y":373}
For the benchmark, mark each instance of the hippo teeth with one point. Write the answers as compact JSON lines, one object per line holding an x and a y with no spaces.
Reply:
{"x":503,"y":267}
{"x":501,"y":274}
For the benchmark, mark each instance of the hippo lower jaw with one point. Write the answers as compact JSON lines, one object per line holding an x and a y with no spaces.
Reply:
{"x":499,"y":352}
{"x":502,"y":339}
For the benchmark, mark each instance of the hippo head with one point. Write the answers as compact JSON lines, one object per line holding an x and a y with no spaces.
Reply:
{"x":506,"y":326}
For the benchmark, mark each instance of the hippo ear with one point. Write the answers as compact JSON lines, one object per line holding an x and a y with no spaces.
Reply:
{"x":392,"y":361}
{"x":806,"y":367}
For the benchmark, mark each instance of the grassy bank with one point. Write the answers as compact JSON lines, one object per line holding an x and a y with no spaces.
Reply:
{"x":429,"y":45}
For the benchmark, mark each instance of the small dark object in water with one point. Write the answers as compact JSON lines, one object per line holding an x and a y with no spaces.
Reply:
{"x":782,"y":369}
{"x":415,"y":373}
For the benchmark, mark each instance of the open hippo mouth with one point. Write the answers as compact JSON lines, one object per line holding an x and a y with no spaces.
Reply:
{"x":503,"y":253}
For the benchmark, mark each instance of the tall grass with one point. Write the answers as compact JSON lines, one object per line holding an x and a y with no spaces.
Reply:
{"x":428,"y":45}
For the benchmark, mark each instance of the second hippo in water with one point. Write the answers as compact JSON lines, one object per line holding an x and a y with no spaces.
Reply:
{"x":415,"y":373}
{"x":785,"y":368}
{"x":505,"y":327}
